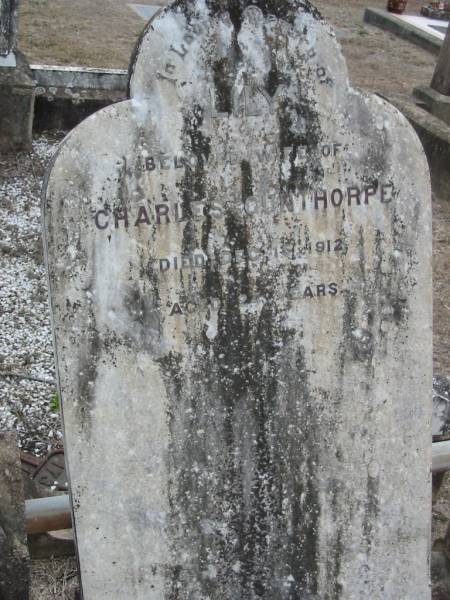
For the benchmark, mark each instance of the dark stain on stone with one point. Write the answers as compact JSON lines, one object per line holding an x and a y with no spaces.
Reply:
{"x":336,"y":547}
{"x":371,"y":510}
{"x":144,"y":316}
{"x":274,"y":79}
{"x":193,"y":187}
{"x":282,"y":9}
{"x":304,"y":542}
{"x":211,"y":285}
{"x":175,"y":591}
{"x":233,"y":396}
{"x":299,"y":126}
{"x":223,"y":73}
{"x":399,"y":308}
{"x":246,"y":180}
{"x":89,"y":352}
{"x":358,"y":342}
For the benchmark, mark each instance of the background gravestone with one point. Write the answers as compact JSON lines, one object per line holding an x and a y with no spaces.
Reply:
{"x":8,"y":17}
{"x":239,"y":264}
{"x":17,"y":85}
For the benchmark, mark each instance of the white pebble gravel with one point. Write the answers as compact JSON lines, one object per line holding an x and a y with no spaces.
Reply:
{"x":25,"y":341}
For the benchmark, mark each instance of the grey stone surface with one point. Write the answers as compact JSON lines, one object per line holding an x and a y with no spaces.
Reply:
{"x":14,"y":557}
{"x":239,"y":264}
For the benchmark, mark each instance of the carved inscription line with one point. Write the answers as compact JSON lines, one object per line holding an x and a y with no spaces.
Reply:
{"x":194,"y":31}
{"x":306,"y":292}
{"x":279,"y":254}
{"x":167,"y":213}
{"x":165,"y":162}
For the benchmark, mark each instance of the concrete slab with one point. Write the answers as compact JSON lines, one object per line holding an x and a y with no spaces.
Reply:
{"x":424,"y":32}
{"x":430,"y":26}
{"x":145,"y":11}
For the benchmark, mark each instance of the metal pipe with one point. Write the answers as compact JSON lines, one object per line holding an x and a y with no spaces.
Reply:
{"x":54,"y":513}
{"x":48,"y":514}
{"x":441,"y":457}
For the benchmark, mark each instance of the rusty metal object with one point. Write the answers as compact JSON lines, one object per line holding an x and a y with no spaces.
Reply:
{"x":51,"y":473}
{"x":48,"y":514}
{"x":44,"y":477}
{"x":441,"y":457}
{"x":29,"y":463}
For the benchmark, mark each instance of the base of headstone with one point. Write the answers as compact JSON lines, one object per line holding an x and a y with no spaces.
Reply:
{"x":14,"y":556}
{"x":17,"y":92}
{"x":437,"y":104}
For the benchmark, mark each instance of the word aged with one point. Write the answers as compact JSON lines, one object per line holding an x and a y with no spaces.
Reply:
{"x":309,"y":292}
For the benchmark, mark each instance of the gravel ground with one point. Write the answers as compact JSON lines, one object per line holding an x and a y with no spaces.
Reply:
{"x":26,"y":342}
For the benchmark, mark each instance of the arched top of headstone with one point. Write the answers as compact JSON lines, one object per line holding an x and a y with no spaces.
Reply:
{"x":235,"y":44}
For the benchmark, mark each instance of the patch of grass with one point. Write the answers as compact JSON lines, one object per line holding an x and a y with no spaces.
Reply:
{"x":55,"y":404}
{"x":79,"y":32}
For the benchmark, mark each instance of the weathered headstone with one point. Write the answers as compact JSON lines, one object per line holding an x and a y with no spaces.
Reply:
{"x":14,"y":557}
{"x":239,"y":263}
{"x":17,"y":85}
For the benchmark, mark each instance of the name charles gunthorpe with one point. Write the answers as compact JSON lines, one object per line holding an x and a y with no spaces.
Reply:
{"x":149,"y":213}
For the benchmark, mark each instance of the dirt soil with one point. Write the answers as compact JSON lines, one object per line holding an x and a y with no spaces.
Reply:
{"x":103,"y":34}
